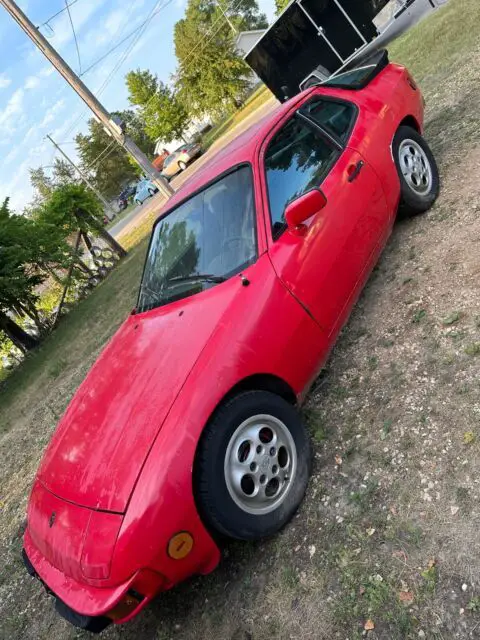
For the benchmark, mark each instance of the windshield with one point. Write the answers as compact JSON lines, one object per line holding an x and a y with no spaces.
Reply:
{"x":207,"y":239}
{"x":169,"y":159}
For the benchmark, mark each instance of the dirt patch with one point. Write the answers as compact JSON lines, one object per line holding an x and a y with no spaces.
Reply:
{"x":388,"y":533}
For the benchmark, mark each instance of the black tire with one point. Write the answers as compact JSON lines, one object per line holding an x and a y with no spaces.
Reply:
{"x":219,"y":510}
{"x":182,"y":165}
{"x":415,"y":200}
{"x":151,"y":192}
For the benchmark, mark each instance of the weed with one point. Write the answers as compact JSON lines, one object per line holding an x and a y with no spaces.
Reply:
{"x":419,"y":315}
{"x":387,"y":427}
{"x":407,"y":280}
{"x":363,"y":498}
{"x":469,"y":437}
{"x":451,"y":318}
{"x":430,"y":577}
{"x":472,"y":349}
{"x":411,"y":253}
{"x":289,"y":577}
{"x":474,"y":604}
{"x":372,"y":363}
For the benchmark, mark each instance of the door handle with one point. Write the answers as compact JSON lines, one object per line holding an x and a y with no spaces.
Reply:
{"x":354,"y":170}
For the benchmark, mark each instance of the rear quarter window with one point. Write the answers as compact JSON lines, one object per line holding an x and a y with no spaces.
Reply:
{"x":337,"y":118}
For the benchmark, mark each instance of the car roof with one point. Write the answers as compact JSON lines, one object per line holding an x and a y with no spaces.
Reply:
{"x":240,"y":149}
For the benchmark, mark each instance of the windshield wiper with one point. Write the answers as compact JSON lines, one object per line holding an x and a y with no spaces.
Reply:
{"x":205,"y":277}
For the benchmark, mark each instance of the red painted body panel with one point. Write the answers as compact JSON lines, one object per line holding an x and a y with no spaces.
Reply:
{"x":118,"y":472}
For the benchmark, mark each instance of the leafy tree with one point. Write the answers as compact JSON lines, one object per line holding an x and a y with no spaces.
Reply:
{"x":141,"y":86}
{"x":43,"y":184}
{"x":165,"y":116}
{"x":281,"y":4}
{"x":136,"y":130}
{"x":26,"y":246}
{"x":104,"y":160}
{"x":211,"y":75}
{"x":74,"y":207}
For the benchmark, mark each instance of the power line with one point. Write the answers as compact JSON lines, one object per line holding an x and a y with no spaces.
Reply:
{"x":57,"y":14}
{"x":119,"y":44}
{"x":154,"y":11}
{"x":67,"y":7}
{"x":94,"y":162}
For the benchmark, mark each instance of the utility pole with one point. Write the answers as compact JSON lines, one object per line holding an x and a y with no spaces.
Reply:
{"x":116,"y":130}
{"x":82,"y":175}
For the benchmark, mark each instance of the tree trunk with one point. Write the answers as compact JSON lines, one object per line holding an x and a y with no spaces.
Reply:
{"x":102,"y":232}
{"x":20,"y":338}
{"x":87,"y":242}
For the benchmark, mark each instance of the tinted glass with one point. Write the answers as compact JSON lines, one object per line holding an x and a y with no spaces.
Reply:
{"x":297,"y":159}
{"x":336,"y":117}
{"x":208,"y":238}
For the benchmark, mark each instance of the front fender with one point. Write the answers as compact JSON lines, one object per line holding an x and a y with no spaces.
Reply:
{"x":264,"y":330}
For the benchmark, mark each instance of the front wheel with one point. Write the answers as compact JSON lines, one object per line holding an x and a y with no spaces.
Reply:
{"x":151,"y":192}
{"x":138,"y":202}
{"x":252,"y":466}
{"x":182,"y":165}
{"x":417,"y":171}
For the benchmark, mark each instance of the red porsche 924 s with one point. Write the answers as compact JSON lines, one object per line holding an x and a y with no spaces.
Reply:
{"x":187,"y":426}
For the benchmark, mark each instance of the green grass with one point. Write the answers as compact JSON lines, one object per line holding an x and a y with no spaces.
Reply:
{"x":256,"y":100}
{"x":121,"y":215}
{"x":78,"y":336}
{"x":436,"y":45}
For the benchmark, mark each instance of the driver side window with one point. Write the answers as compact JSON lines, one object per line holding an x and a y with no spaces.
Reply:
{"x":297,"y":159}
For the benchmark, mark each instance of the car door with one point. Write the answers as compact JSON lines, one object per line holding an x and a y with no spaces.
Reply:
{"x":324,"y":264}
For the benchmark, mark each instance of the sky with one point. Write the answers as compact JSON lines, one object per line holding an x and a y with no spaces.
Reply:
{"x":34,"y":98}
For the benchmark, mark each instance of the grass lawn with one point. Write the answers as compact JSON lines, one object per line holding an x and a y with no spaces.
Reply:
{"x":385,"y":546}
{"x":258,"y":97}
{"x":130,"y":207}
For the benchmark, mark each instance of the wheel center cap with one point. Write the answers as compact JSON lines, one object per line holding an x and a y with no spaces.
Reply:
{"x":265,"y":463}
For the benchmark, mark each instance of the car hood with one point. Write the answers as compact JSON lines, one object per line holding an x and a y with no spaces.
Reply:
{"x":104,"y":437}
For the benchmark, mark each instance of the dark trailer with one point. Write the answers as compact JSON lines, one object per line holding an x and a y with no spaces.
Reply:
{"x":312,"y":38}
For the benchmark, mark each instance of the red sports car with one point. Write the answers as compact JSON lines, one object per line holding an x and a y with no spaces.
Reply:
{"x":187,"y":426}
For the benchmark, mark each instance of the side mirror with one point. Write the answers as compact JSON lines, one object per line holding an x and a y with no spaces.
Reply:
{"x":304,"y":207}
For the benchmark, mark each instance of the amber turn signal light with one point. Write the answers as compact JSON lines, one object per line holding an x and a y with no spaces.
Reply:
{"x":180,"y":545}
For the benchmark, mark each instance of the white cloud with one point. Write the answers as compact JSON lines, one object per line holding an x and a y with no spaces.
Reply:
{"x":4,"y":80}
{"x":52,"y":113}
{"x":31,"y":82}
{"x":13,"y":115}
{"x":46,"y":71}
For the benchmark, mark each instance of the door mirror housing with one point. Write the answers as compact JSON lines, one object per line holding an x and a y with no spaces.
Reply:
{"x":304,"y":207}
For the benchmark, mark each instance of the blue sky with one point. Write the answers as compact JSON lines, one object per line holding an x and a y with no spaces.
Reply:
{"x":35,"y":100}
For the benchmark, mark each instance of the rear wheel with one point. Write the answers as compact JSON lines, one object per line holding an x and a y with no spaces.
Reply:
{"x":151,"y":192}
{"x":417,"y":170}
{"x":138,"y":202}
{"x":252,"y":466}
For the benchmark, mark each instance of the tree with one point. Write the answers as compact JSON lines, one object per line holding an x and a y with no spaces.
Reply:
{"x":136,"y":130}
{"x":74,"y":207}
{"x":26,"y":245}
{"x":211,"y":75}
{"x":165,"y":116}
{"x":281,"y":4}
{"x":104,"y":160}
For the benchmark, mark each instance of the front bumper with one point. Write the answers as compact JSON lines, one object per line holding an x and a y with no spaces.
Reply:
{"x":84,"y":606}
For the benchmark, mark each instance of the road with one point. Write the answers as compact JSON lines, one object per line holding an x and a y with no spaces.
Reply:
{"x":416,"y":12}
